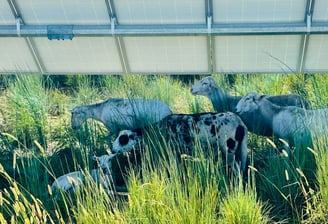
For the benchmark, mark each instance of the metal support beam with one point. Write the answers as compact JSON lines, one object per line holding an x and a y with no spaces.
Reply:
{"x":123,"y":56}
{"x":209,"y":39}
{"x":306,"y":36}
{"x":29,"y":41}
{"x":173,"y":30}
{"x":118,"y":40}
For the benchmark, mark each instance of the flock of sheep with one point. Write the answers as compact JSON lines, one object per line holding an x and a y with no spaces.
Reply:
{"x":288,"y":117}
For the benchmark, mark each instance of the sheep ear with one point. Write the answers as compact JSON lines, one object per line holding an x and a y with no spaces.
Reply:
{"x":258,"y":96}
{"x":138,"y":131}
{"x":211,"y":82}
{"x":262,"y":96}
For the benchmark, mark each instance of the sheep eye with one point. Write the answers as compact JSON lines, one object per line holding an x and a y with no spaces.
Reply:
{"x":204,"y":84}
{"x":123,"y":140}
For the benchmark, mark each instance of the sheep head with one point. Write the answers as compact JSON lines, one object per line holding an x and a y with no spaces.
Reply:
{"x":203,"y":87}
{"x":249,"y":103}
{"x":78,"y":116}
{"x":126,"y":141}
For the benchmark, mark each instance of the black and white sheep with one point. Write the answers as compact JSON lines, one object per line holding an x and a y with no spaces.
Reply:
{"x":289,"y":123}
{"x":223,"y":132}
{"x":223,"y":102}
{"x":119,"y":113}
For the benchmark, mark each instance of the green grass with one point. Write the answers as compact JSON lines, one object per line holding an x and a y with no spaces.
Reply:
{"x":242,"y":205}
{"x":37,"y":144}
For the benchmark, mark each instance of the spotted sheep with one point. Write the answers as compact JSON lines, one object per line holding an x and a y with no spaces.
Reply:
{"x":120,"y":113}
{"x":223,"y":102}
{"x":288,"y":123}
{"x":223,"y":132}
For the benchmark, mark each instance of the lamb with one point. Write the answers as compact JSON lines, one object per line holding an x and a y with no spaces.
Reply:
{"x":73,"y":180}
{"x":216,"y":131}
{"x":289,"y":123}
{"x":110,"y":173}
{"x":119,"y":113}
{"x":223,"y":102}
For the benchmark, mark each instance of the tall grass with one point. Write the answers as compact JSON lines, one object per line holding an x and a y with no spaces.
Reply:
{"x":242,"y":205}
{"x":171,"y":191}
{"x":27,"y":103}
{"x":163,"y":191}
{"x":317,"y":204}
{"x":20,"y":206}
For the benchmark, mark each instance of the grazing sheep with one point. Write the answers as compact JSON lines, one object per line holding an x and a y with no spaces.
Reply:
{"x":118,"y":113}
{"x":223,"y":102}
{"x":216,"y":131}
{"x":288,"y":123}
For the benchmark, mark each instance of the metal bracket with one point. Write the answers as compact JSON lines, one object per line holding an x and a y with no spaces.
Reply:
{"x":308,"y":22}
{"x":60,"y":32}
{"x":19,"y":22}
{"x":209,"y":24}
{"x":112,"y":24}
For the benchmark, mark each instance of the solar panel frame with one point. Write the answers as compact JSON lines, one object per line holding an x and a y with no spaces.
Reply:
{"x":124,"y":24}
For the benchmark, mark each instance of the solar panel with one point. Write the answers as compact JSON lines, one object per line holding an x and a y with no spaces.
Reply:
{"x":163,"y":36}
{"x":317,"y":54}
{"x":258,"y":11}
{"x":6,"y":16}
{"x":320,"y":11}
{"x":63,"y":12}
{"x":179,"y":54}
{"x":15,"y":56}
{"x":95,"y":55}
{"x":239,"y":54}
{"x":160,"y":11}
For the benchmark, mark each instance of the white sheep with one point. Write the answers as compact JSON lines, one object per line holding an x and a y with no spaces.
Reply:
{"x":223,"y":132}
{"x":73,"y":180}
{"x":289,"y":123}
{"x":223,"y":102}
{"x":110,"y":174}
{"x":118,"y":113}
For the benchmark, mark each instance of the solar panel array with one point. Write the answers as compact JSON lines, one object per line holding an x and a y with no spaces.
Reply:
{"x":163,"y":36}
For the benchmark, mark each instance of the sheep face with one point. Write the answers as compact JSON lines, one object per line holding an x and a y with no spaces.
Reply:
{"x":249,"y":103}
{"x":203,"y":87}
{"x":77,"y":118}
{"x":126,"y":141}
